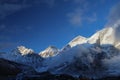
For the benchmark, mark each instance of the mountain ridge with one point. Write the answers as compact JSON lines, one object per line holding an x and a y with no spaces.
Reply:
{"x":94,"y":57}
{"x":49,"y":52}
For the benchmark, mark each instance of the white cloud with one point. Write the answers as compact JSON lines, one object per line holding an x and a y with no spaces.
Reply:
{"x":116,"y":27}
{"x":93,"y":18}
{"x":6,"y":45}
{"x":114,"y":21}
{"x":2,"y":27}
{"x":114,"y":15}
{"x":78,"y":17}
{"x":78,"y":14}
{"x":75,"y":17}
{"x":8,"y":7}
{"x":76,"y":1}
{"x":50,"y":2}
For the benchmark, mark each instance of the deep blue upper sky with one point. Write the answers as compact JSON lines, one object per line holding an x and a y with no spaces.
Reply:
{"x":37,"y":24}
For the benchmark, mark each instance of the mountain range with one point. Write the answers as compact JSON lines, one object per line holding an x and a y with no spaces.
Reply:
{"x":95,"y":57}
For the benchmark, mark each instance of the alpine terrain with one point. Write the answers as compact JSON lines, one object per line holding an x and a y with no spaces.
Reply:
{"x":96,"y":57}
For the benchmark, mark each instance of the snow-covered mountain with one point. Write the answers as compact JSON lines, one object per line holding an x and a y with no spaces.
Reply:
{"x":23,"y":50}
{"x":23,"y":55}
{"x":49,"y":52}
{"x":76,"y":41}
{"x":95,"y":57}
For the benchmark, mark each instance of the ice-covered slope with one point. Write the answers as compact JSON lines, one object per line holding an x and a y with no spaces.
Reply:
{"x":23,"y":55}
{"x":24,"y":51}
{"x":94,"y":57}
{"x":49,"y":52}
{"x":105,"y":36}
{"x":76,"y":41}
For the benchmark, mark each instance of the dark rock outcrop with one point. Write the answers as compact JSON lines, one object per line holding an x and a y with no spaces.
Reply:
{"x":9,"y":67}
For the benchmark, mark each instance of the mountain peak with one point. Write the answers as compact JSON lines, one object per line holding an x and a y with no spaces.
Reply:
{"x":78,"y":37}
{"x":48,"y":52}
{"x":77,"y":40}
{"x":23,"y":50}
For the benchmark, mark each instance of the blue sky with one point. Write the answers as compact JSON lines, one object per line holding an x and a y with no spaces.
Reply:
{"x":38,"y":24}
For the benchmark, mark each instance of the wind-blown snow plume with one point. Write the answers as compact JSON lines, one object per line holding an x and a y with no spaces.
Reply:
{"x":117,"y":31}
{"x":114,"y":15}
{"x":114,"y":21}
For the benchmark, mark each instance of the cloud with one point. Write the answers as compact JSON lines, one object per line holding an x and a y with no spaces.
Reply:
{"x":49,"y":2}
{"x":8,"y":7}
{"x":114,"y":15}
{"x":2,"y":27}
{"x":75,"y":17}
{"x":6,"y":45}
{"x":76,"y":1}
{"x":93,"y":18}
{"x":78,"y":14}
{"x":114,"y":21}
{"x":116,"y":27}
